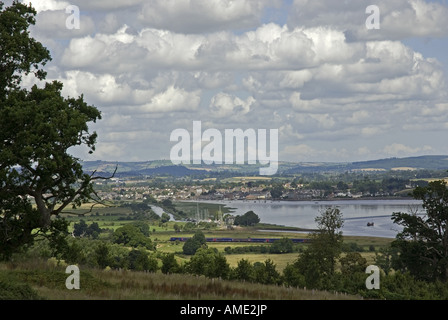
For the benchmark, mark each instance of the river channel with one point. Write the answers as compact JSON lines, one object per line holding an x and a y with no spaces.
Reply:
{"x":356,"y":213}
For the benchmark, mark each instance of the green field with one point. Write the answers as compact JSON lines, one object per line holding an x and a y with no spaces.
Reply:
{"x":114,"y":217}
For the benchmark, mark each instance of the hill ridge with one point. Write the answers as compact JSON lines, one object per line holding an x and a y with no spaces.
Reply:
{"x":158,"y":167}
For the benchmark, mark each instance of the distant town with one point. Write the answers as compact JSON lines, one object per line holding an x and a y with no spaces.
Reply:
{"x":117,"y":190}
{"x":160,"y":180}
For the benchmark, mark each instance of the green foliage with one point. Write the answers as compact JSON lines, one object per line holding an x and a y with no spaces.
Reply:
{"x":165,"y":217}
{"x":141,"y":210}
{"x":284,"y":245}
{"x":326,"y":245}
{"x":244,"y":271}
{"x":247,"y":249}
{"x":293,"y":276}
{"x":384,"y":258}
{"x":208,"y":262}
{"x":81,"y":229}
{"x":423,"y":242}
{"x":266,"y":273}
{"x":140,"y":261}
{"x":250,"y":218}
{"x":352,"y":247}
{"x":278,"y":247}
{"x":102,"y":255}
{"x":132,"y":235}
{"x":352,"y":263}
{"x":18,"y":53}
{"x":194,"y":243}
{"x":37,"y":127}
{"x":12,"y":289}
{"x":143,"y":227}
{"x":169,"y":264}
{"x":277,"y":191}
{"x":317,"y":264}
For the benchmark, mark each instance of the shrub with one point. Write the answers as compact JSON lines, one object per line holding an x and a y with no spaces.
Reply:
{"x":11,"y":289}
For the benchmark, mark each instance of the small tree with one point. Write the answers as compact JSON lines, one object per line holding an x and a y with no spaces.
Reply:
{"x":194,"y":243}
{"x":250,"y":218}
{"x":165,"y":217}
{"x":319,"y":260}
{"x":170,"y":264}
{"x":244,"y":271}
{"x":139,"y":261}
{"x":81,"y":229}
{"x":327,"y":241}
{"x":103,"y":255}
{"x":266,"y":272}
{"x":208,"y":262}
{"x":353,"y":262}
{"x":131,"y":235}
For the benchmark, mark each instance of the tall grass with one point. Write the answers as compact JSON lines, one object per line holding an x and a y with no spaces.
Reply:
{"x":48,"y":281}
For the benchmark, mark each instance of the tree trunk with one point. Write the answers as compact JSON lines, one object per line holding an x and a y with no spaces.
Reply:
{"x":45,"y":213}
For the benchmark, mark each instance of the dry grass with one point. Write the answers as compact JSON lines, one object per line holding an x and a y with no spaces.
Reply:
{"x":49,"y":282}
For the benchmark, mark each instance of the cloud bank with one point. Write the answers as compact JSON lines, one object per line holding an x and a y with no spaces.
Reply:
{"x":336,"y":90}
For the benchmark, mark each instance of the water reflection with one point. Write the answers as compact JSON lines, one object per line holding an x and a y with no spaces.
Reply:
{"x":356,"y":213}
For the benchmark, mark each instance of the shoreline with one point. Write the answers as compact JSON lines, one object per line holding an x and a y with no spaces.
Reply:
{"x":300,"y":200}
{"x":294,"y":223}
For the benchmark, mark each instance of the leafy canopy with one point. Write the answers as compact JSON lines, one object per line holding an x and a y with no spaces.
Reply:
{"x":423,"y":242}
{"x":39,"y":178}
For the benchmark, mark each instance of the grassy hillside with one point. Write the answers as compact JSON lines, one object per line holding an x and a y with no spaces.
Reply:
{"x":422,"y":162}
{"x":44,"y":280}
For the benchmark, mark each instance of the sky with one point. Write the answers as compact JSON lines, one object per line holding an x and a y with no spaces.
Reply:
{"x":335,"y":89}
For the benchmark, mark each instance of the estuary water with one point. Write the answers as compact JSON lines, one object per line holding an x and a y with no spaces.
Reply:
{"x":356,"y":213}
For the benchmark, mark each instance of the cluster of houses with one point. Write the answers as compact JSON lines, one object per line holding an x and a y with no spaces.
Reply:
{"x":123,"y":191}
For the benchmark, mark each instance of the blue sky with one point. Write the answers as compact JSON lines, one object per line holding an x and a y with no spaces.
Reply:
{"x":335,"y":90}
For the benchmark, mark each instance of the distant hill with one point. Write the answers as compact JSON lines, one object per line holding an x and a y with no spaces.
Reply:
{"x":422,"y":162}
{"x":165,"y":167}
{"x":437,"y":162}
{"x":146,"y":168}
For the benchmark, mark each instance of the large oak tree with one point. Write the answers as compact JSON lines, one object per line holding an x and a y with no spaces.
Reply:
{"x":39,"y":178}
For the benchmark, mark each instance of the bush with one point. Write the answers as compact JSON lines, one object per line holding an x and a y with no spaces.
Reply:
{"x":11,"y":289}
{"x":81,"y":229}
{"x":284,"y":245}
{"x":133,"y":236}
{"x":193,"y":244}
{"x":250,"y":218}
{"x":210,"y":263}
{"x":266,"y":272}
{"x":140,"y":261}
{"x":169,"y":264}
{"x":244,"y":271}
